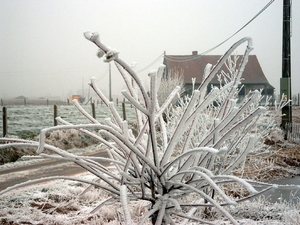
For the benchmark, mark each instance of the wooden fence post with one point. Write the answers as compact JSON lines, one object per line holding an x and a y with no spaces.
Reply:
{"x":124,"y":110}
{"x":93,"y":110}
{"x":55,"y":114}
{"x":4,"y":117}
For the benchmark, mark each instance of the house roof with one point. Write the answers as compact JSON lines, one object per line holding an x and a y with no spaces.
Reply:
{"x":21,"y":97}
{"x":193,"y":66}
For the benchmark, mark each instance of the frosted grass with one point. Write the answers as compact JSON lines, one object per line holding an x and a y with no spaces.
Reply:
{"x":26,"y":121}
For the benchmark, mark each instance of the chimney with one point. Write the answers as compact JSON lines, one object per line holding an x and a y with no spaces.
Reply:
{"x":194,"y":52}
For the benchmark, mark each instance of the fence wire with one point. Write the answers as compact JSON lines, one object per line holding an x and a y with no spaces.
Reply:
{"x":293,"y":132}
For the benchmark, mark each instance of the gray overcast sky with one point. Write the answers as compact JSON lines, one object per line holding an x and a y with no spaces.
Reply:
{"x":44,"y":53}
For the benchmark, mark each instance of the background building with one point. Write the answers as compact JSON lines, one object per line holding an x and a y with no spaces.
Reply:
{"x":192,"y":66}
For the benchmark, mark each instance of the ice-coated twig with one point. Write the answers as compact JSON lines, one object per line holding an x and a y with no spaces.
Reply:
{"x":124,"y":204}
{"x":233,"y":116}
{"x":133,"y":92}
{"x":155,"y":208}
{"x":202,"y":105}
{"x":190,"y":152}
{"x":179,"y":128}
{"x":135,"y":103}
{"x":102,"y":203}
{"x":189,"y":217}
{"x":209,"y":199}
{"x":118,"y":138}
{"x":189,"y":214}
{"x":251,"y":116}
{"x":94,"y":37}
{"x":89,"y":133}
{"x":87,"y":161}
{"x":168,"y":101}
{"x":208,"y":179}
{"x":222,"y":60}
{"x":30,"y":182}
{"x":98,"y":91}
{"x":61,"y":127}
{"x":84,"y":112}
{"x":115,"y":113}
{"x":161,"y":212}
{"x":241,"y":157}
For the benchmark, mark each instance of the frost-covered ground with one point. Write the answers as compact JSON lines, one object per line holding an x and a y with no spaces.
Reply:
{"x":61,"y":202}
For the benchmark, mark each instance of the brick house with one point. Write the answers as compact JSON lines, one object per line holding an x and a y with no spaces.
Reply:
{"x":193,"y":66}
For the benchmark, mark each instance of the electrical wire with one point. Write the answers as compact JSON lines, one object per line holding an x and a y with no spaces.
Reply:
{"x":192,"y":58}
{"x":155,"y":61}
{"x":204,"y":53}
{"x":104,"y":74}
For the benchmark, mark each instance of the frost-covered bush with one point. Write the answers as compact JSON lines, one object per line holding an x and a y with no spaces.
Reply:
{"x":181,"y":167}
{"x":167,"y":85}
{"x":226,"y":122}
{"x":68,"y":139}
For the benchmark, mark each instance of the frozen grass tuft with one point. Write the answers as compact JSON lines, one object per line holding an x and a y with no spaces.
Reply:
{"x":58,"y":203}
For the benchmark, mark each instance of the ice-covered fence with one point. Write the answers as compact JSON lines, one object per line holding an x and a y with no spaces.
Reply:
{"x":4,"y":121}
{"x":293,"y":132}
{"x":27,"y":101}
{"x":26,"y":121}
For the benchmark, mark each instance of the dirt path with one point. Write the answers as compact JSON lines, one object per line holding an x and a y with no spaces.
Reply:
{"x":46,"y":168}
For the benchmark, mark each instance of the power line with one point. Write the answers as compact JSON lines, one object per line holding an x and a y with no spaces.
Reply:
{"x":104,"y":74}
{"x":203,"y":53}
{"x":155,"y":61}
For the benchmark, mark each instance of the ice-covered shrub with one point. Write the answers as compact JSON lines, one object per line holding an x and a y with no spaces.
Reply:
{"x":167,"y":85}
{"x":68,"y":139}
{"x":179,"y":167}
{"x":214,"y":123}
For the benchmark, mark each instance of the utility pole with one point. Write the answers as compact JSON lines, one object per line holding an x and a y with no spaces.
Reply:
{"x":110,"y":98}
{"x":82,"y":87}
{"x":285,"y":81}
